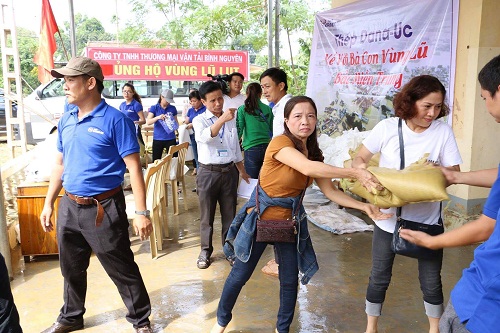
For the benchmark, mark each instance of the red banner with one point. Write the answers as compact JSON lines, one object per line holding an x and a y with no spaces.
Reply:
{"x":167,"y":64}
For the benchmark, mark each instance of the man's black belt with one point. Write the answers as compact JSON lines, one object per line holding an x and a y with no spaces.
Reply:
{"x":217,"y":167}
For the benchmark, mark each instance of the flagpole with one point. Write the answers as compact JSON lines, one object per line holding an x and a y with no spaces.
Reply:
{"x":64,"y":47}
{"x":72,"y":28}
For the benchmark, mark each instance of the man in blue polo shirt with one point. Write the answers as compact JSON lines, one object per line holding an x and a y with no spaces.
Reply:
{"x":96,"y":143}
{"x":474,"y":304}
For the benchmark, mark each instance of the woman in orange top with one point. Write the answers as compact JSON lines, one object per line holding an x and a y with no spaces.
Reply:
{"x":291,"y":162}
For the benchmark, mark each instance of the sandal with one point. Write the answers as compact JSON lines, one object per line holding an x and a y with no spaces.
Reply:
{"x":202,"y":263}
{"x":217,"y":328}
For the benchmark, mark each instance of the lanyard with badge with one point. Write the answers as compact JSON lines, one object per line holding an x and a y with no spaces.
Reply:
{"x":221,"y":152}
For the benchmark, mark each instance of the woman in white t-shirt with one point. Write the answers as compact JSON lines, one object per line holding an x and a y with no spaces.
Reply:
{"x":419,"y":104}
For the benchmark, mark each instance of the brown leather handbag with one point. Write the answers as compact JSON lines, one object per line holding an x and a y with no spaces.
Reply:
{"x":277,"y":231}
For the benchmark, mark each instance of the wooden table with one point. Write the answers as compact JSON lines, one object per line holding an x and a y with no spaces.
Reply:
{"x":35,"y":241}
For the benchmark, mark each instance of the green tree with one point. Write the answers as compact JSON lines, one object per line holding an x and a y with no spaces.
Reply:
{"x":292,"y":19}
{"x":235,"y":25}
{"x":87,"y":30}
{"x":27,"y":43}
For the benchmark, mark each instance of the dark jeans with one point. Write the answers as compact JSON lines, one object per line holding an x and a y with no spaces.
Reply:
{"x":241,"y":272}
{"x":194,"y":145}
{"x":254,"y":157}
{"x":78,"y":237}
{"x":429,"y":271}
{"x":215,"y":187}
{"x":9,"y":317}
{"x":159,"y":145}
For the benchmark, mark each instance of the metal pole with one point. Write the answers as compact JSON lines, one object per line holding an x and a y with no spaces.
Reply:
{"x":6,"y":13}
{"x":270,"y":33}
{"x":117,"y":29}
{"x":277,"y":33}
{"x":4,"y":237}
{"x":72,"y":33}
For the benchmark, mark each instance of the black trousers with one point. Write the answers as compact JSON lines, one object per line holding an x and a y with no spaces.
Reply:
{"x":9,"y":317}
{"x":159,"y":145}
{"x":78,"y":236}
{"x":215,"y":187}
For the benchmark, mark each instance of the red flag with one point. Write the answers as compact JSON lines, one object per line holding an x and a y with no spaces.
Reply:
{"x":44,"y":57}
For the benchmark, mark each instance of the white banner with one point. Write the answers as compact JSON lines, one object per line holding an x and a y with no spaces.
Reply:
{"x":364,"y":52}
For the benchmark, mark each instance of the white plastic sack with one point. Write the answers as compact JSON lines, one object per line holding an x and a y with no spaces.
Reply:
{"x":40,"y":168}
{"x":184,"y":137}
{"x":336,"y":150}
{"x":173,"y":168}
{"x":330,"y":218}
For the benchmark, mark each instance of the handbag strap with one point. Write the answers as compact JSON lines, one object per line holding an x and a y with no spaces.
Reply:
{"x":401,"y":155}
{"x":257,"y":210}
{"x":402,"y":163}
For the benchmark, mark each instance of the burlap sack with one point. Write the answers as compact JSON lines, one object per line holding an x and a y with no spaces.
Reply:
{"x":416,"y":183}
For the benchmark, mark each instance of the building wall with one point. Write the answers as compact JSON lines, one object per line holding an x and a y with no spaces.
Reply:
{"x":474,"y":128}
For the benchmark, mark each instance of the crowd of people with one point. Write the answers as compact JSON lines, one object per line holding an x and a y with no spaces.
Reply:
{"x":235,"y":136}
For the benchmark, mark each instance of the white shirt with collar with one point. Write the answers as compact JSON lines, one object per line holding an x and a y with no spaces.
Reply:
{"x":279,"y":115}
{"x":233,"y":102}
{"x":220,"y":149}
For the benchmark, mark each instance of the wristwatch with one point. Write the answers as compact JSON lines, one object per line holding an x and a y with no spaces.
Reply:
{"x":142,"y":212}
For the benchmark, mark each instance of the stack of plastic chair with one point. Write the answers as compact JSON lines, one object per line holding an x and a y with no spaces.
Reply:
{"x":177,"y":174}
{"x":156,"y":200}
{"x":147,"y":136}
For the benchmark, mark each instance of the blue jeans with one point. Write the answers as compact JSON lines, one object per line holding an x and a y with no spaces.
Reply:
{"x":241,"y":272}
{"x":254,"y":157}
{"x":195,"y":150}
{"x":429,"y":274}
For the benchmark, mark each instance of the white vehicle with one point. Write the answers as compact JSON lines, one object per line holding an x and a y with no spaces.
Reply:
{"x":45,"y":105}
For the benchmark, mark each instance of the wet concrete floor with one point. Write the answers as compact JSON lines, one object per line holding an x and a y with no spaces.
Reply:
{"x":184,"y":298}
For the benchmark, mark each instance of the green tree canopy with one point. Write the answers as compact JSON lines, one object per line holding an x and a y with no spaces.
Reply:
{"x":87,"y":30}
{"x":27,"y":43}
{"x":195,"y":24}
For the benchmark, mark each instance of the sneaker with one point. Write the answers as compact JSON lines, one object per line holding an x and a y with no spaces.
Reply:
{"x":202,"y":262}
{"x":193,"y":190}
